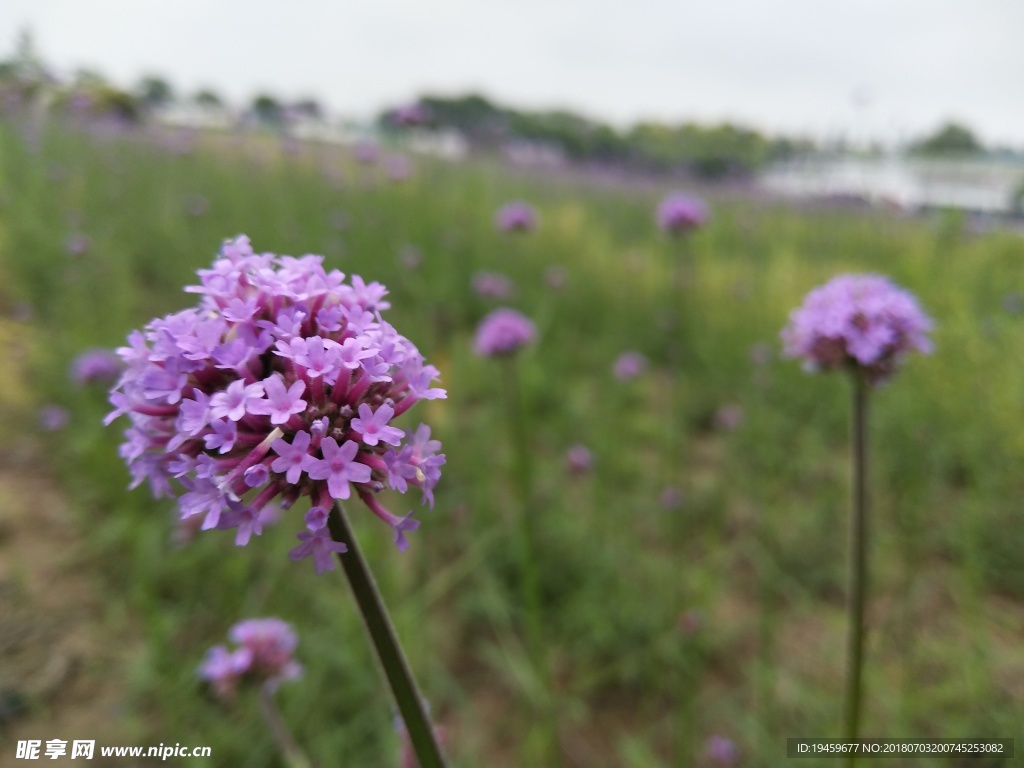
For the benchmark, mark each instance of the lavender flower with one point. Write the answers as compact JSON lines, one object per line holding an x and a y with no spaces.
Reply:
{"x":629,"y":365}
{"x":281,"y":384}
{"x":503,"y":332}
{"x":96,"y":365}
{"x":491,"y":285}
{"x":864,"y":323}
{"x":263,"y":657}
{"x":679,"y":213}
{"x":516,"y":216}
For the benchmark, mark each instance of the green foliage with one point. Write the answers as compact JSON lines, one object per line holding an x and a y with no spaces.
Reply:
{"x":950,"y":139}
{"x":757,"y":549}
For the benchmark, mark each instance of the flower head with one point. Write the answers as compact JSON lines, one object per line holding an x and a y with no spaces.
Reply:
{"x":579,"y":460}
{"x":282,"y":383}
{"x":679,"y":213}
{"x":861,"y":322}
{"x":503,"y":332}
{"x":516,"y":216}
{"x":263,"y":657}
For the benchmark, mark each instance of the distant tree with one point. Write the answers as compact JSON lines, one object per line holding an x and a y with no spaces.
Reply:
{"x":154,"y":92}
{"x":309,"y":108}
{"x":267,"y":109}
{"x":480,"y":121}
{"x":208,"y":99}
{"x":950,"y":139}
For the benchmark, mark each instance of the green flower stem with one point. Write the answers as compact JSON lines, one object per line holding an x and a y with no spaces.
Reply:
{"x":858,"y":560}
{"x":385,"y":641}
{"x":526,"y":537}
{"x":290,"y":750}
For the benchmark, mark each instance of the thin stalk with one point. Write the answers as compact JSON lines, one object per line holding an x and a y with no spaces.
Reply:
{"x":385,"y":641}
{"x":290,"y":750}
{"x":526,"y":537}
{"x":858,"y":560}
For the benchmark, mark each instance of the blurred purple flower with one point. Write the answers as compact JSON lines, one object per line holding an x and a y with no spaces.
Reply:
{"x":671,"y":498}
{"x":721,"y":751}
{"x":579,"y":460}
{"x":78,"y":243}
{"x":96,"y":365}
{"x":679,"y":213}
{"x":516,"y":216}
{"x":492,"y":285}
{"x":399,"y":167}
{"x":264,"y":656}
{"x":629,"y":365}
{"x":196,"y":206}
{"x":864,"y":323}
{"x":53,"y":418}
{"x":366,"y":151}
{"x":692,"y":622}
{"x":409,"y":115}
{"x":254,"y":396}
{"x":729,"y":418}
{"x":555,"y":278}
{"x":503,"y":332}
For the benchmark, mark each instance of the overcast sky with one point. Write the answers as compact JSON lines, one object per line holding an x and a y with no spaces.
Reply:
{"x":890,"y":69}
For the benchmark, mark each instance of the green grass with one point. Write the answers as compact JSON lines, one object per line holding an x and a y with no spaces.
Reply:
{"x":759,"y":546}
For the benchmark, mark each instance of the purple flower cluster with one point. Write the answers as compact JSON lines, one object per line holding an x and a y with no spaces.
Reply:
{"x":861,"y":322}
{"x":503,"y":332}
{"x":516,"y":216}
{"x":263,"y":657}
{"x":282,"y":383}
{"x":679,"y":213}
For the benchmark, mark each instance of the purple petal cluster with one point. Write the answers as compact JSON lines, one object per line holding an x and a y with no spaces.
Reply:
{"x":680,"y":213}
{"x":282,"y":383}
{"x":503,"y":332}
{"x":864,"y":323}
{"x":516,"y":216}
{"x":263,"y":656}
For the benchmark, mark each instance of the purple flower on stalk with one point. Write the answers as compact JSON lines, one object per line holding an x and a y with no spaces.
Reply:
{"x":281,"y":384}
{"x":264,"y":656}
{"x":679,"y":213}
{"x":503,"y":332}
{"x":96,"y":365}
{"x":516,"y":216}
{"x":864,"y":323}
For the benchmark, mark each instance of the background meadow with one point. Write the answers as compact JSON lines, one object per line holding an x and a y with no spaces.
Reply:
{"x":667,"y":623}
